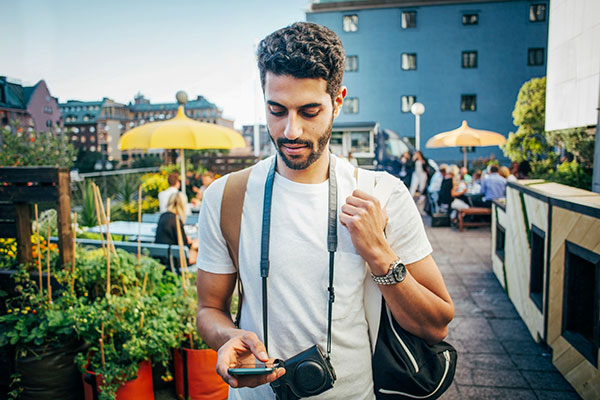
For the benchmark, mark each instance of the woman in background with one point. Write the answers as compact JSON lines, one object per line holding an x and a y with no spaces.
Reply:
{"x":166,"y":230}
{"x":419,"y":175}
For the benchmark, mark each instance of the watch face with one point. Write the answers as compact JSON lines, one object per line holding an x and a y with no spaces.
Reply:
{"x":399,"y":272}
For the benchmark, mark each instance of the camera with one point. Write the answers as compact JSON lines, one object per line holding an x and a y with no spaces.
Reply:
{"x":307,"y":374}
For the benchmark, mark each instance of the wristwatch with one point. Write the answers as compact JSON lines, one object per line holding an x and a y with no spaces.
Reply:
{"x":396,"y":274}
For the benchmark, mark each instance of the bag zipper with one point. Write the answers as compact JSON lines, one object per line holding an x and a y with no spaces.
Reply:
{"x":411,"y":357}
{"x":446,"y":354}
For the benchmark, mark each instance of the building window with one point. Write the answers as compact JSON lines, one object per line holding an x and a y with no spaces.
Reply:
{"x":536,"y":266}
{"x":49,"y":123}
{"x":351,"y":63}
{"x":409,"y":19}
{"x":470,"y":19}
{"x":535,"y":57}
{"x":581,"y":301}
{"x":537,"y":12}
{"x":468,"y":102}
{"x":409,"y":61}
{"x":407,"y":102}
{"x":359,"y":142}
{"x":469,"y":59}
{"x":351,"y":105}
{"x":350,"y":23}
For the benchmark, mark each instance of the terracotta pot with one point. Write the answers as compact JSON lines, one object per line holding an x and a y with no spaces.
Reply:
{"x":139,"y":388}
{"x":196,"y":377}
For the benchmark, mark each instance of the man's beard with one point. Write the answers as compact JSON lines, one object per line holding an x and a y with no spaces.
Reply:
{"x":296,"y":162}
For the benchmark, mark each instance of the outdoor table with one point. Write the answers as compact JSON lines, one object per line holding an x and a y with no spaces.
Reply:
{"x":146,"y":230}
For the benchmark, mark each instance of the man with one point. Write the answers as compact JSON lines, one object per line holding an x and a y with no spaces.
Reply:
{"x":433,"y":190}
{"x":165,"y":195}
{"x":493,"y":187}
{"x":301,"y":69}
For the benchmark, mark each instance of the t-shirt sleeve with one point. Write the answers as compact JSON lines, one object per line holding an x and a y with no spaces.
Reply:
{"x":212,"y":249}
{"x":405,"y":230}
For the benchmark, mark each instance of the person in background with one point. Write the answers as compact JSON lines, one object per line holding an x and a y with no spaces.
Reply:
{"x":464,"y":175}
{"x":352,"y":160}
{"x":504,"y":172}
{"x":435,"y":184}
{"x":165,"y":195}
{"x":166,"y":230}
{"x":523,"y":170}
{"x":419,"y":175}
{"x":406,"y":168}
{"x":475,"y":185}
{"x":493,"y":187}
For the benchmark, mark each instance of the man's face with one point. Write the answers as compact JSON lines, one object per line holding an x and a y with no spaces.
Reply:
{"x":300,"y":115}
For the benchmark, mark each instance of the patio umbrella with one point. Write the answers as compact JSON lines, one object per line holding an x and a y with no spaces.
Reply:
{"x":466,"y":136}
{"x":181,"y":133}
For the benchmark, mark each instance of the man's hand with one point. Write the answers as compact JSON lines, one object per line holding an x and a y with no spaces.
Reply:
{"x":366,"y":220}
{"x":244,"y":348}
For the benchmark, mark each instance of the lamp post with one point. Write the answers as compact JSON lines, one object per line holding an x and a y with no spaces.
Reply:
{"x":417,"y":109}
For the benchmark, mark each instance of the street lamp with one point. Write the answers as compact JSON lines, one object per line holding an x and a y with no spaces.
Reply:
{"x":417,"y":109}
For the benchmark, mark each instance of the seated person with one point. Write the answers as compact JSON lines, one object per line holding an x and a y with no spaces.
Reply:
{"x":435,"y":184}
{"x":493,"y":187}
{"x":165,"y":195}
{"x":445,"y":193}
{"x":207,"y":178}
{"x":166,"y":230}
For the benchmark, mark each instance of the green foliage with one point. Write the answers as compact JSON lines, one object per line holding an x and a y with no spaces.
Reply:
{"x":86,"y":160}
{"x":30,"y":148}
{"x":529,"y":141}
{"x":148,"y":160}
{"x":577,"y":141}
{"x":154,"y":183}
{"x":124,"y":188}
{"x":568,"y":173}
{"x":85,"y":197}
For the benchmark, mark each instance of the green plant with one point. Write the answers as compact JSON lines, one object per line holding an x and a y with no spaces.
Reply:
{"x":154,"y":183}
{"x":124,"y":188}
{"x":30,"y":148}
{"x":87,"y":214}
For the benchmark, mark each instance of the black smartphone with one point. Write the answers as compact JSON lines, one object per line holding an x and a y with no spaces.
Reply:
{"x":252,"y":369}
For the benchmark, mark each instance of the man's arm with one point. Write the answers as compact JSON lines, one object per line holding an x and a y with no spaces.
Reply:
{"x":421,"y":303}
{"x":235,"y":346}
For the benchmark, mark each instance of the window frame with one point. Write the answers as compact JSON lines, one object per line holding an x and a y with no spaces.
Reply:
{"x":466,"y":53}
{"x":408,"y":23}
{"x":534,"y":51}
{"x":347,"y":105}
{"x":469,"y":14}
{"x":463,"y":97}
{"x":534,"y":16}
{"x":347,"y":64}
{"x":408,"y":97}
{"x":355,"y":23}
{"x":408,"y":55}
{"x":537,"y":267}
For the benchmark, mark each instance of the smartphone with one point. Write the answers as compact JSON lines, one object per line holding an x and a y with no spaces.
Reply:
{"x":252,"y":369}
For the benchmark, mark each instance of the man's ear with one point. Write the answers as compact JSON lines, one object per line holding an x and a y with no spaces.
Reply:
{"x":339,"y":101}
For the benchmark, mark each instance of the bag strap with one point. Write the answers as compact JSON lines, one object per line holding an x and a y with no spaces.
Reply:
{"x":382,"y":189}
{"x":232,"y":205}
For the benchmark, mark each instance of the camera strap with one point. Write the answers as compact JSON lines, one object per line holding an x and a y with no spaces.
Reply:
{"x":331,"y":244}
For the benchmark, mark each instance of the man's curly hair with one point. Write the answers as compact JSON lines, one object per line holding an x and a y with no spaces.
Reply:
{"x":303,"y":50}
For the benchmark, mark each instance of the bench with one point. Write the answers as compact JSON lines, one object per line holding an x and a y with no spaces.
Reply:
{"x":161,"y":251}
{"x":472,"y":211}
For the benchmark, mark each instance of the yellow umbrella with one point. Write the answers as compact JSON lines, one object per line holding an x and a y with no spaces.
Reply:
{"x":466,"y":136}
{"x":182,"y":133}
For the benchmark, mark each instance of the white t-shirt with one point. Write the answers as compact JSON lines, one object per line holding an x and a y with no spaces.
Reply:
{"x":299,"y":271}
{"x":164,"y":196}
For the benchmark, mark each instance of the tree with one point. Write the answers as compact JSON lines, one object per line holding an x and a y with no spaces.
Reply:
{"x":21,"y":147}
{"x":529,"y":142}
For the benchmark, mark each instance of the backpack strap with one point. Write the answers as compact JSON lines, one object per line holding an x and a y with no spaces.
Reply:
{"x":232,"y":205}
{"x":382,"y":189}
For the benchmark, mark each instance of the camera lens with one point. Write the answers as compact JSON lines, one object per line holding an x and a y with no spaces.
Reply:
{"x":310,"y":376}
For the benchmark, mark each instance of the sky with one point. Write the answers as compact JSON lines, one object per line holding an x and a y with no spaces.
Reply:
{"x":87,"y":50}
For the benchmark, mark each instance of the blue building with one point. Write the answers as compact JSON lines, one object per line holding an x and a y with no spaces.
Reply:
{"x":464,"y":60}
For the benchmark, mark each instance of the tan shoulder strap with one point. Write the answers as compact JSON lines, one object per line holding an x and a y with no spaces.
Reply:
{"x":232,"y":205}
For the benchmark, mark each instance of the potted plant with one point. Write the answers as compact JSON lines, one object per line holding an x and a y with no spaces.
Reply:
{"x":127,"y":326}
{"x":195,"y":363}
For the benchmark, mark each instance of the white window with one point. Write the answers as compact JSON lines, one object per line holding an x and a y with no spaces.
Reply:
{"x":409,"y":19}
{"x":407,"y":102}
{"x":351,"y":63}
{"x":350,"y":23}
{"x":409,"y":61}
{"x":351,"y":105}
{"x":537,"y":12}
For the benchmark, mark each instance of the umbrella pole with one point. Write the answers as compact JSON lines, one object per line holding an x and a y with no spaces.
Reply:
{"x":465,"y":157}
{"x":182,"y":161}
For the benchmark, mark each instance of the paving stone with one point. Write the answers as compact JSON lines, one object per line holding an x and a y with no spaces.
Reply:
{"x":465,"y":307}
{"x":478,"y":346}
{"x":499,"y":378}
{"x":451,"y":393}
{"x":463,"y":376}
{"x":480,"y":280}
{"x":524,"y":347}
{"x":486,"y":361}
{"x":509,"y":329}
{"x":546,"y":380}
{"x":533,"y":362}
{"x":488,"y":393}
{"x":467,"y":328}
{"x":556,"y":395}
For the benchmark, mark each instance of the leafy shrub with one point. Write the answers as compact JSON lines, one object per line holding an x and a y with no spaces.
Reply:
{"x":30,"y":148}
{"x":154,"y":183}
